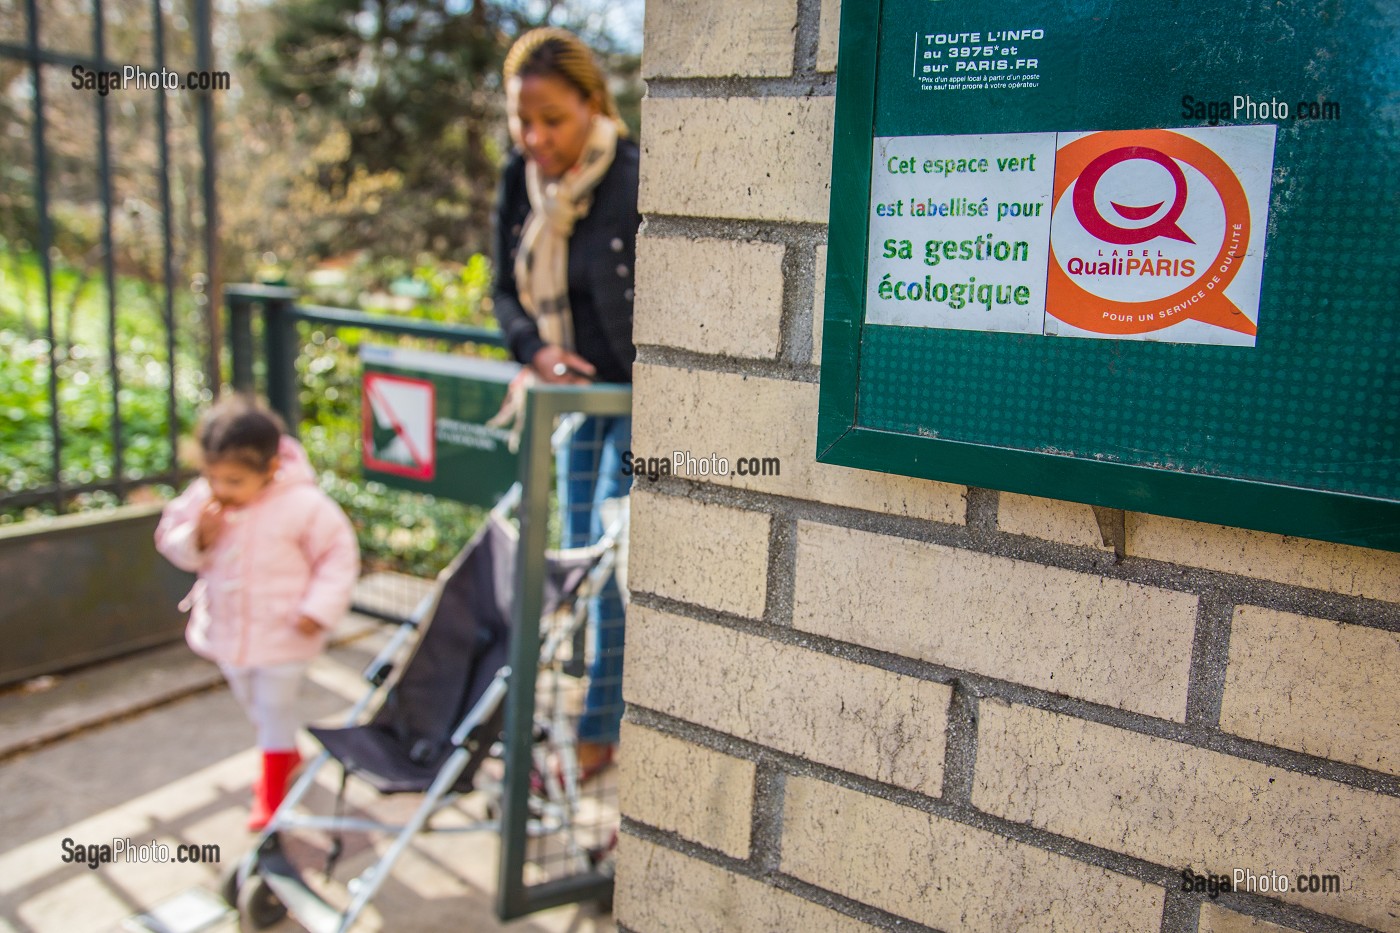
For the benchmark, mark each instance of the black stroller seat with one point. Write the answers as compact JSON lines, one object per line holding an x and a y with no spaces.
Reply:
{"x":461,"y":648}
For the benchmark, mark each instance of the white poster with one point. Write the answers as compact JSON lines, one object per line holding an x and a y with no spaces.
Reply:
{"x":1123,"y":234}
{"x":960,"y":231}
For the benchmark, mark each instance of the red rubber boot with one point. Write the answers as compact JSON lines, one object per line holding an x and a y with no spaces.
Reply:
{"x":271,"y":788}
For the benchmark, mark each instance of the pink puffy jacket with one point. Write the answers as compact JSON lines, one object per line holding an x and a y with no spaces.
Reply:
{"x":290,"y":552}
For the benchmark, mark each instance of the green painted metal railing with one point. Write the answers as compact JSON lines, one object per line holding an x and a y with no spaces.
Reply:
{"x":543,"y":406}
{"x":281,"y":345}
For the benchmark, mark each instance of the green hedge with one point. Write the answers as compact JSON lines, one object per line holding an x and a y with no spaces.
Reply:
{"x":399,"y":531}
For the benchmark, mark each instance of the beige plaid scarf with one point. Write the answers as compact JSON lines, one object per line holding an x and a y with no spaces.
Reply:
{"x":542,"y":265}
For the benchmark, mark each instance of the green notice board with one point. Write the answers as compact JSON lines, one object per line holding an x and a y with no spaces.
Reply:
{"x":424,"y":423}
{"x":1135,"y":254}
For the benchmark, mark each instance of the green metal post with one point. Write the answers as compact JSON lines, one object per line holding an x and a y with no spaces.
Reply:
{"x":542,"y":405}
{"x":535,"y":474}
{"x":280,"y":337}
{"x":240,"y":341}
{"x":209,"y":189}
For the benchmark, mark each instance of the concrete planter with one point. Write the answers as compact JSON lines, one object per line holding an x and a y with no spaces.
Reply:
{"x":81,"y":588}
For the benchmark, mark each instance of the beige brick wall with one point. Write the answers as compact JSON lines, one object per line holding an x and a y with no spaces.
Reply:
{"x":1050,"y":519}
{"x":712,"y":555}
{"x":1320,"y":687}
{"x":699,"y":794}
{"x":828,"y":44}
{"x":857,"y":700}
{"x":748,"y":416}
{"x":818,"y":304}
{"x":1337,"y":568}
{"x":1176,"y":805}
{"x":1106,"y":641}
{"x":722,"y":297}
{"x":1219,"y":920}
{"x":698,"y":38}
{"x":663,"y":891}
{"x":871,"y":722}
{"x":762,"y":159}
{"x":947,"y":875}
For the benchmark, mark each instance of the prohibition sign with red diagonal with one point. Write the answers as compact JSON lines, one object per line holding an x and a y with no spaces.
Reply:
{"x":398,"y":425}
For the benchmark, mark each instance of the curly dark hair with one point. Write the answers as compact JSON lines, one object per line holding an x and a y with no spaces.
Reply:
{"x":241,"y":430}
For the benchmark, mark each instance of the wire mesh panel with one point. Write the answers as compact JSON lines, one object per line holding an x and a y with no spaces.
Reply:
{"x":560,"y":814}
{"x":573,"y":798}
{"x":578,"y":694}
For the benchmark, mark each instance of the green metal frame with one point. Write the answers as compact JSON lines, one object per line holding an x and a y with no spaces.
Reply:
{"x":1309,"y":513}
{"x":543,"y":404}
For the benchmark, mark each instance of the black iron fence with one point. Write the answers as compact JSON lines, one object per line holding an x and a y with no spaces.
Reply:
{"x":72,"y":174}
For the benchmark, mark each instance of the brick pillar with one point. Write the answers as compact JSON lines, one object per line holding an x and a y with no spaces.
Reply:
{"x":866,"y":701}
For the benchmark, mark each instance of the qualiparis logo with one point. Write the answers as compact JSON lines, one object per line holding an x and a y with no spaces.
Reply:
{"x":1158,"y":229}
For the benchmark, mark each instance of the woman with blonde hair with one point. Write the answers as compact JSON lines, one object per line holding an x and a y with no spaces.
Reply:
{"x":566,"y":242}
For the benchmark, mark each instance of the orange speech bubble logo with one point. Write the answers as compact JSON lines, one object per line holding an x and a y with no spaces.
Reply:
{"x":1085,"y":161}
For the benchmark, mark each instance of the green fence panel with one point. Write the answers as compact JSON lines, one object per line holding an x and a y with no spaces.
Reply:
{"x":1121,"y":253}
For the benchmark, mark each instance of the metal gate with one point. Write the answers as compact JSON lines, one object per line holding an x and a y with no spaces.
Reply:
{"x":555,"y":848}
{"x":538,"y":871}
{"x":66,"y":57}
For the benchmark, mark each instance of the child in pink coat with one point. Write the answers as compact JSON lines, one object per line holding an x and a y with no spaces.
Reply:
{"x":277,"y":563}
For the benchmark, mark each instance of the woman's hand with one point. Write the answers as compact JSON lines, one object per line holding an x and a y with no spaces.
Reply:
{"x":559,"y":366}
{"x":308,"y":626}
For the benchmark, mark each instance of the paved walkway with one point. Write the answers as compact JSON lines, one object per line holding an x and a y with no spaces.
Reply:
{"x":153,"y":748}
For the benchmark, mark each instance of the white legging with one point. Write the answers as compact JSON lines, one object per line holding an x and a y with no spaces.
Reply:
{"x":268,"y":696}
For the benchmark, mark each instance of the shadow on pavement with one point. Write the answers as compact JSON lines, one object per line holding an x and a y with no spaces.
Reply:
{"x":180,"y":773}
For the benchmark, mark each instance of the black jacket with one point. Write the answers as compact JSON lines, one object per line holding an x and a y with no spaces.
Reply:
{"x":602,"y":262}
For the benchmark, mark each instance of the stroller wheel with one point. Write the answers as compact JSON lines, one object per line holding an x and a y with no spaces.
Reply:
{"x":228,"y":878}
{"x":228,"y":885}
{"x":258,"y":907}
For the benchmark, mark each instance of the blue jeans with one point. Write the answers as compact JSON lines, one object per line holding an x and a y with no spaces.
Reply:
{"x":590,"y":471}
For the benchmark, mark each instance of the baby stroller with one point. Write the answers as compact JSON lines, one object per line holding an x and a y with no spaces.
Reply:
{"x":439,"y":721}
